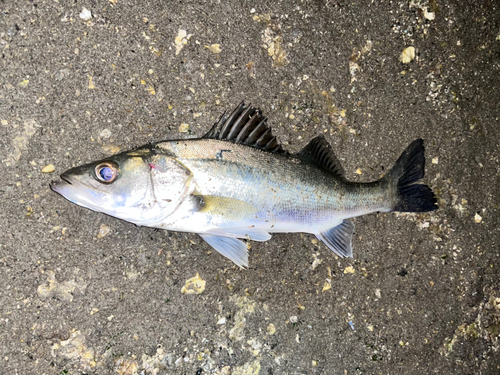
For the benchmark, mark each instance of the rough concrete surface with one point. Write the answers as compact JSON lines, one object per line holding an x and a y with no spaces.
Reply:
{"x":422,"y":293}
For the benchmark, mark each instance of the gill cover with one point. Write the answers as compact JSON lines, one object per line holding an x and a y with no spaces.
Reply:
{"x":140,"y":186}
{"x":170,"y":183}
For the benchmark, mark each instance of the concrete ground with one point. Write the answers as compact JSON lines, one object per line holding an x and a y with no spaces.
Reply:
{"x":84,"y":293}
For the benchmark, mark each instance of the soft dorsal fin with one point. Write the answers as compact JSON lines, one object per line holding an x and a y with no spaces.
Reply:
{"x":319,"y":152}
{"x":245,"y":125}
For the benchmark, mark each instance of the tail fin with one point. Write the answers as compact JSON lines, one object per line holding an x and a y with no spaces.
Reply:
{"x":409,"y":169}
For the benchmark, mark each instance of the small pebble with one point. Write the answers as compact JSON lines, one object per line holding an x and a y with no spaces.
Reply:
{"x":104,"y":230}
{"x":183,"y":128}
{"x":85,"y":14}
{"x":48,"y":169}
{"x":349,"y":269}
{"x":194,"y":285}
{"x":429,"y":15}
{"x":214,"y":48}
{"x":407,"y":55}
{"x":326,"y":286}
{"x":105,"y":133}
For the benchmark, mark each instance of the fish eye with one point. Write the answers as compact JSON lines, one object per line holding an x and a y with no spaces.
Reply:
{"x":106,"y":172}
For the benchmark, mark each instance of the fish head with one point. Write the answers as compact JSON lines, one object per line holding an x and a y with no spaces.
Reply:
{"x":123,"y":186}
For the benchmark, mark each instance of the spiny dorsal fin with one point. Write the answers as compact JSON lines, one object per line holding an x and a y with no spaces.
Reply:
{"x":319,"y":152}
{"x":245,"y":125}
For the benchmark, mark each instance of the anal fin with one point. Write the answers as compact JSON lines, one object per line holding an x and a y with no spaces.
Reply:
{"x":339,"y":238}
{"x":231,"y":248}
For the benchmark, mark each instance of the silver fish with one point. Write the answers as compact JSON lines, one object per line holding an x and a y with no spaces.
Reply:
{"x":236,"y":182}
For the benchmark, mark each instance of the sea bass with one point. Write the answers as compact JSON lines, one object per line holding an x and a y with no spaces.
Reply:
{"x":237,"y":182}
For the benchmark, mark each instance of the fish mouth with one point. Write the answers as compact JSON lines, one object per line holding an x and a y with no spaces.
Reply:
{"x":70,"y":188}
{"x":58,"y":186}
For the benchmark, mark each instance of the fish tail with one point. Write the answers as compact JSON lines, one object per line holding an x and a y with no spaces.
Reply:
{"x":409,"y":168}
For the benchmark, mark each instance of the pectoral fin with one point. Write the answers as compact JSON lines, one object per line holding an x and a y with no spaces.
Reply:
{"x":339,"y":238}
{"x":231,"y":248}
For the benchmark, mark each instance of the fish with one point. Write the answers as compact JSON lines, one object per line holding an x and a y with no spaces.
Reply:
{"x":237,"y":183}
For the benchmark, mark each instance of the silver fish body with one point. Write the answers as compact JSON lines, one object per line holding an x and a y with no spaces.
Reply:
{"x":268,"y":192}
{"x":237,"y":183}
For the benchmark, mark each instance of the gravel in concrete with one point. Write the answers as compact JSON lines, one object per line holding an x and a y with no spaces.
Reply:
{"x":84,"y":293}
